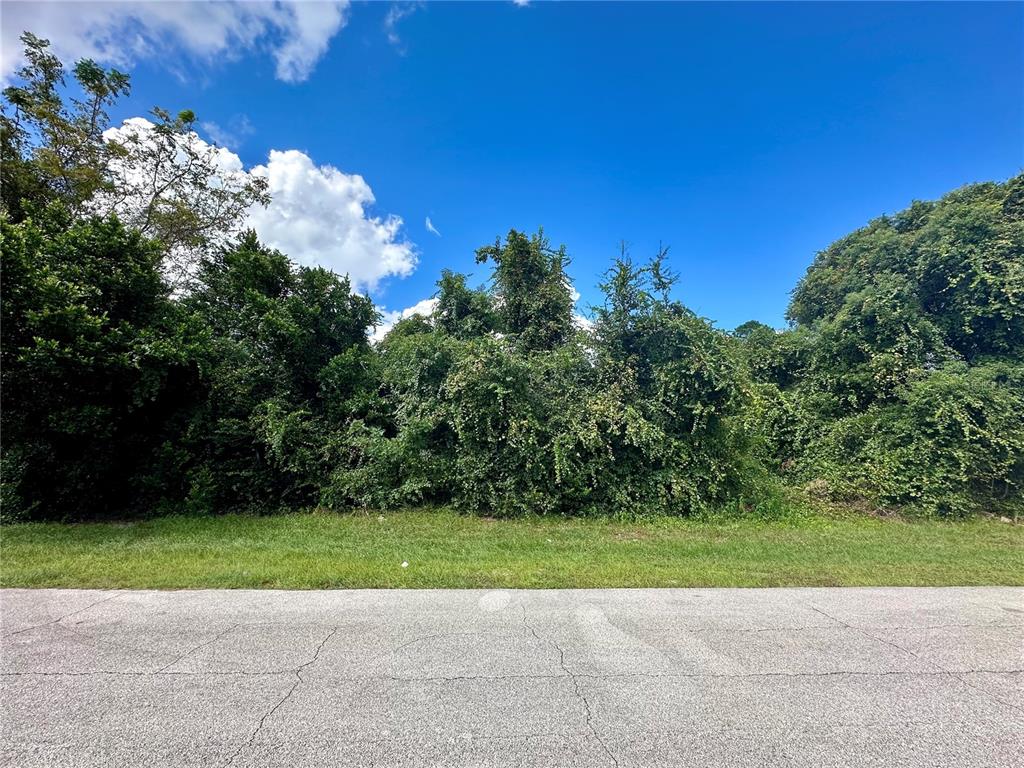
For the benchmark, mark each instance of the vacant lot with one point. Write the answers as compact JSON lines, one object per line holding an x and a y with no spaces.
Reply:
{"x":443,"y":549}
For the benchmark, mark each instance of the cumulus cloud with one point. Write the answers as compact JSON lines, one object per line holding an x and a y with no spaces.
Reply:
{"x":296,"y":34}
{"x":430,"y":227}
{"x":141,"y":128}
{"x":425,"y":307}
{"x":156,"y":172}
{"x":318,"y":216}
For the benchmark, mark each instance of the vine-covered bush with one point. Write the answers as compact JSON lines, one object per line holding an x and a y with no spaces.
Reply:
{"x":906,"y":389}
{"x":253,"y":384}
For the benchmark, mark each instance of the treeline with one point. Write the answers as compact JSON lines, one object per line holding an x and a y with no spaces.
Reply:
{"x":156,"y":359}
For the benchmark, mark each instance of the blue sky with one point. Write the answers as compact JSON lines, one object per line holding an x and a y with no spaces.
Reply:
{"x":745,"y":137}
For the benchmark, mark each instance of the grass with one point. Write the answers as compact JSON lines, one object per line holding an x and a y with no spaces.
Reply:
{"x":443,"y":549}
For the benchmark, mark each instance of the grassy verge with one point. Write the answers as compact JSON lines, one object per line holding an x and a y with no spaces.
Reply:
{"x":443,"y":549}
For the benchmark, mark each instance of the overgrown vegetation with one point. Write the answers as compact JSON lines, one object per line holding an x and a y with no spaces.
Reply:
{"x":155,"y":358}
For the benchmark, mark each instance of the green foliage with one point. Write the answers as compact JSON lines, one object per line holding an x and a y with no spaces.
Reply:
{"x":403,"y":456}
{"x":954,"y":438}
{"x":96,"y":363}
{"x":287,"y":365}
{"x":51,"y":151}
{"x":582,"y":428}
{"x":873,"y":347}
{"x":495,"y":406}
{"x":531,"y":290}
{"x":667,"y":399}
{"x":461,"y":311}
{"x":909,"y":336}
{"x":960,"y":262}
{"x":252,"y":383}
{"x":159,"y":178}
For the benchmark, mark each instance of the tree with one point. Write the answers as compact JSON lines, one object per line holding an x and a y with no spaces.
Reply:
{"x":914,"y":308}
{"x":50,"y":150}
{"x":288,"y":367}
{"x":154,"y":355}
{"x":962,"y":258}
{"x":777,"y":357}
{"x":461,"y":311}
{"x":531,"y":289}
{"x":668,"y":396}
{"x":170,"y":185}
{"x":96,"y":364}
{"x":159,"y":177}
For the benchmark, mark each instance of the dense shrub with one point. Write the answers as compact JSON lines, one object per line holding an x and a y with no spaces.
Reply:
{"x":253,"y":383}
{"x":906,"y":388}
{"x":957,"y":262}
{"x":641,"y":416}
{"x":288,"y":364}
{"x":954,"y":439}
{"x":97,"y":365}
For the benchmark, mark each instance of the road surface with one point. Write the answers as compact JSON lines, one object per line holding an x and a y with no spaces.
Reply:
{"x":702,"y":677}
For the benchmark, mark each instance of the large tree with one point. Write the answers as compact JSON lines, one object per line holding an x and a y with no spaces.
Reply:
{"x":156,"y":175}
{"x":289,"y":362}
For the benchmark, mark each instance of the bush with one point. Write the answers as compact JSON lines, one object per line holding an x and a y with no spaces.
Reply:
{"x":254,"y":385}
{"x":97,"y":364}
{"x":953,"y":445}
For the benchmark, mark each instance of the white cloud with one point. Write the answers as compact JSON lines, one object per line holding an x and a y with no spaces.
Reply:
{"x":315,"y":23}
{"x":579,"y":320}
{"x":582,"y":322}
{"x":226,"y":160}
{"x":297,"y":34}
{"x":317,"y":215}
{"x":521,"y":3}
{"x":148,"y":176}
{"x":430,"y":227}
{"x":396,"y":13}
{"x":425,"y":307}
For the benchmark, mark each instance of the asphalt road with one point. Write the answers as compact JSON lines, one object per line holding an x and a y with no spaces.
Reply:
{"x":806,"y":677}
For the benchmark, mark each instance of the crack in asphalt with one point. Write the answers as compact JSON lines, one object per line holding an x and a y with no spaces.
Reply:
{"x":190,"y":651}
{"x":909,"y":652}
{"x":424,"y":638}
{"x":61,"y":618}
{"x":274,"y":694}
{"x":584,"y":675}
{"x":103,"y":641}
{"x":811,"y":627}
{"x":576,"y":688}
{"x":283,"y":699}
{"x":583,"y":692}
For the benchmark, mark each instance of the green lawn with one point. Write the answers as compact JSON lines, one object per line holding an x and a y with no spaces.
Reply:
{"x":443,"y":549}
